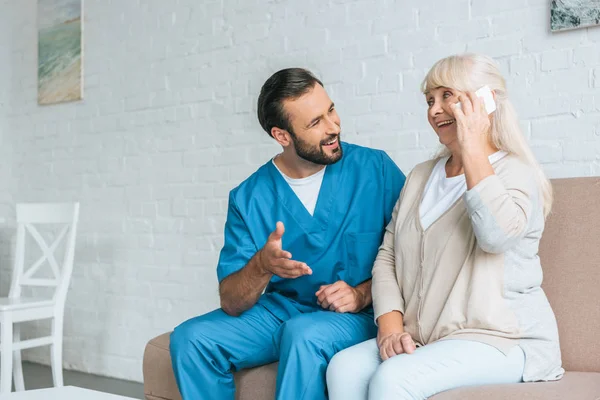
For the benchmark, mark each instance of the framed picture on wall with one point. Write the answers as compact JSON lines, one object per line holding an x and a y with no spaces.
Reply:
{"x":573,"y":14}
{"x":60,"y":46}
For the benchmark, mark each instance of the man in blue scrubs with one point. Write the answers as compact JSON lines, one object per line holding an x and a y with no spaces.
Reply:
{"x":301,"y":237}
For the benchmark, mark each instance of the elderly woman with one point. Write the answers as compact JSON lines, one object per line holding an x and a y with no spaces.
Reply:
{"x":456,"y":283}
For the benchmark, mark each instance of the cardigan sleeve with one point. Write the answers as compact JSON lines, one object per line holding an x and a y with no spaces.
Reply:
{"x":500,"y":209}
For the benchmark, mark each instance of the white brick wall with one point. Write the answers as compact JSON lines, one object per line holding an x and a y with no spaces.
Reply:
{"x":6,"y":165}
{"x":168,"y":127}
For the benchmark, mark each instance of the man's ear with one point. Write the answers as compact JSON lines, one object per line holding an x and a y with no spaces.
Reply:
{"x":282,"y":136}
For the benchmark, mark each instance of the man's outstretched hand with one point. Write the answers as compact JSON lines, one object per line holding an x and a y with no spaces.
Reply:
{"x":273,"y":259}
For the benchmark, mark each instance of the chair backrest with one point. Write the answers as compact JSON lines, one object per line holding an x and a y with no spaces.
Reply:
{"x":570,"y":256}
{"x":62,"y":217}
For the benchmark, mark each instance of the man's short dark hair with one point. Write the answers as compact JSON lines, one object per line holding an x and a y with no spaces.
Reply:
{"x":286,"y":84}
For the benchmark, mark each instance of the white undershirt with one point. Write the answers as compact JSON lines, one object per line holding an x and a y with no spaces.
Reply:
{"x":307,"y":189}
{"x":442,"y":192}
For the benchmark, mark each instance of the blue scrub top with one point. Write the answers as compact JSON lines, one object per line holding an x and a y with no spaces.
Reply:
{"x":338,"y":242}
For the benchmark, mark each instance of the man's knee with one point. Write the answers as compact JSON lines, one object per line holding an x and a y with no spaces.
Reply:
{"x":191,"y":337}
{"x":181,"y":341}
{"x":298,"y":332}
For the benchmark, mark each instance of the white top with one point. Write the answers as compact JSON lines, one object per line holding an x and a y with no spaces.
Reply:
{"x":442,"y":192}
{"x":307,"y":189}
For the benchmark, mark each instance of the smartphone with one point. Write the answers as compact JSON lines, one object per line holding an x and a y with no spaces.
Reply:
{"x":485,"y":93}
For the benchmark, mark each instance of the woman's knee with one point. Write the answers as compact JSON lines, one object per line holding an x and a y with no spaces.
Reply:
{"x":392,"y":381}
{"x":349,"y":372}
{"x":340,"y":368}
{"x":384,"y":381}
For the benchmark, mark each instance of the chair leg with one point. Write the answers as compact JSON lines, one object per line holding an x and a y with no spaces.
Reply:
{"x":17,"y":364}
{"x":6,"y":340}
{"x":56,"y":352}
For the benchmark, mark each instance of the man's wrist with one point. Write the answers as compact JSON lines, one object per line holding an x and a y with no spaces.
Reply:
{"x":260,"y":265}
{"x":363,"y":298}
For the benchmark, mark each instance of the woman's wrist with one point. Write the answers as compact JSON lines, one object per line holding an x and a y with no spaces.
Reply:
{"x":477,"y":167}
{"x":391,"y":322}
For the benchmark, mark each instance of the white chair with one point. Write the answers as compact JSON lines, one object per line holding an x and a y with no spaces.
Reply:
{"x":16,"y":308}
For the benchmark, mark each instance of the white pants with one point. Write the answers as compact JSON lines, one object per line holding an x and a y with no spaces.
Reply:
{"x":357,"y":373}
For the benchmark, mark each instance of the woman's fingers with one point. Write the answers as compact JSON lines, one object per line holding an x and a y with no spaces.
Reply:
{"x":466,"y":104}
{"x":407,"y":343}
{"x":398,"y":346}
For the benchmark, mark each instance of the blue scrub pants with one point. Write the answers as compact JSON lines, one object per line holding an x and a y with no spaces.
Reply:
{"x":206,"y":350}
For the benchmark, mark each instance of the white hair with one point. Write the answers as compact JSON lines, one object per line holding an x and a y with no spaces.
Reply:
{"x":469,"y":72}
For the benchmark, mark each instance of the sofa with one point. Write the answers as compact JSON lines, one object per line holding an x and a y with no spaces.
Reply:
{"x":570,"y":255}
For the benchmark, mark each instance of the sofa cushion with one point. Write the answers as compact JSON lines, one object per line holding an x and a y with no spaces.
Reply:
{"x":159,"y":381}
{"x":574,"y":385}
{"x":259,"y":383}
{"x":570,"y":256}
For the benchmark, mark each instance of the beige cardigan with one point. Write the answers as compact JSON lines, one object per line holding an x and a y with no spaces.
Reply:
{"x":475,"y":272}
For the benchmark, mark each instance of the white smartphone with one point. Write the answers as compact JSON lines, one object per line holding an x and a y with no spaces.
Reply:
{"x":485,"y":93}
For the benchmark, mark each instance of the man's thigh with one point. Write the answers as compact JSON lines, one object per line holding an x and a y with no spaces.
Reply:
{"x":333,"y":331}
{"x":242,"y":342}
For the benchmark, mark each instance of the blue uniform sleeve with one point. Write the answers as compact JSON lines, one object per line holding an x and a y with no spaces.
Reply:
{"x":394,"y":181}
{"x":239,"y":247}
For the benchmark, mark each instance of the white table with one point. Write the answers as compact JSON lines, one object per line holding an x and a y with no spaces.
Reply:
{"x":62,"y":393}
